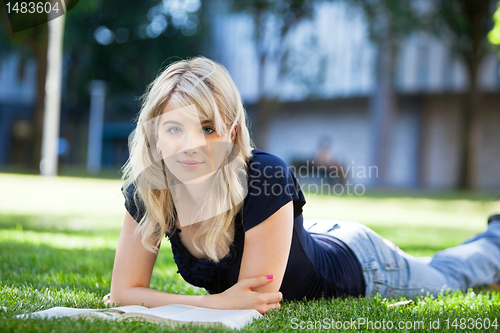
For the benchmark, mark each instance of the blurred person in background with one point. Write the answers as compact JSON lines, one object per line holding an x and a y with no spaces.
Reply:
{"x":326,"y":165}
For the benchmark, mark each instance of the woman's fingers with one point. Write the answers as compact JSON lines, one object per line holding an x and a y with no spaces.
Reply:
{"x":107,"y":299}
{"x":264,"y":297}
{"x":273,"y":297}
{"x":274,"y":306}
{"x":269,"y":307}
{"x":266,"y":300}
{"x":241,"y":295}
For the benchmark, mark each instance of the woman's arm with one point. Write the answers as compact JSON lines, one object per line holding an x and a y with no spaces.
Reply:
{"x":266,"y":249}
{"x":132,"y":272}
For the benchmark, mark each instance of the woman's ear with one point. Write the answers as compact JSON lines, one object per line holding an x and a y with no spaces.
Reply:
{"x":233,"y":132}
{"x":158,"y":148}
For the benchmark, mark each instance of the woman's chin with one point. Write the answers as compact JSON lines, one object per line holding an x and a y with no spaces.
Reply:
{"x":197,"y":180}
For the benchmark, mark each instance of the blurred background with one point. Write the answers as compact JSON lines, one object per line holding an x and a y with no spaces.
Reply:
{"x":392,"y":93}
{"x":398,"y":97}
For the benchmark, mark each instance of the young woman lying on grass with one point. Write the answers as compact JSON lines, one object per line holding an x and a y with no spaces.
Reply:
{"x":233,"y":215}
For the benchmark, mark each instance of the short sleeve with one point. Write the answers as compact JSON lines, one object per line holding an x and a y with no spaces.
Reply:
{"x":271,"y":185}
{"x":137,"y":212}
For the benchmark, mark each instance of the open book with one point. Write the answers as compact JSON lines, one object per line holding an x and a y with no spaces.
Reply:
{"x":174,"y":314}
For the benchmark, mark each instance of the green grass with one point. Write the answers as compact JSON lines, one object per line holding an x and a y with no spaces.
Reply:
{"x":58,"y":238}
{"x":65,"y":171}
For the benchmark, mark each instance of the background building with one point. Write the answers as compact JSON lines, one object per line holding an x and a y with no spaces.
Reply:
{"x":334,"y":46}
{"x":326,"y":91}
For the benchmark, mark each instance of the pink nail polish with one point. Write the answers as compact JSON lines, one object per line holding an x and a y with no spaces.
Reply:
{"x":270,"y":276}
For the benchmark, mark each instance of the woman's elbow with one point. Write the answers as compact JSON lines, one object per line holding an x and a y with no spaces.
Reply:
{"x":118,"y":296}
{"x":115,"y":298}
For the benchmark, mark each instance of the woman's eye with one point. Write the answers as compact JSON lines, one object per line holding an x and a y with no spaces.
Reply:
{"x":208,"y":130}
{"x":174,"y":130}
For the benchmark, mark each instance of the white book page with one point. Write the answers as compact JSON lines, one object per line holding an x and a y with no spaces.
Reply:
{"x":186,"y":313}
{"x":56,"y":312}
{"x":191,"y":313}
{"x":175,"y":312}
{"x":128,"y":308}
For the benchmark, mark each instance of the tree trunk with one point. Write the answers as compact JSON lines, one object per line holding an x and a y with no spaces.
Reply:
{"x":39,"y":49}
{"x":470,"y":129}
{"x":383,"y":107}
{"x":266,"y":105}
{"x":264,"y":111}
{"x":476,"y":13}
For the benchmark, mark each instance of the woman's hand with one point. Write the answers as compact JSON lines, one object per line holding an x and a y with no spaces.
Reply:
{"x":242,"y":296}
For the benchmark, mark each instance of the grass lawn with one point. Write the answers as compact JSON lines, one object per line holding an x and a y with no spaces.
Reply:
{"x":58,"y":238}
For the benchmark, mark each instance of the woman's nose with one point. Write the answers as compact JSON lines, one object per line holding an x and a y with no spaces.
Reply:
{"x":193,"y":142}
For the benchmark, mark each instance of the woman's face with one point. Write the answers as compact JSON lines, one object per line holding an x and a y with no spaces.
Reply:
{"x":192,"y":150}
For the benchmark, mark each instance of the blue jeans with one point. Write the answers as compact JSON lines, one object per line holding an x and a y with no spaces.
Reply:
{"x":391,"y":272}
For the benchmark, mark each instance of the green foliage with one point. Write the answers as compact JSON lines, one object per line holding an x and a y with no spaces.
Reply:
{"x":456,"y":21}
{"x":464,"y":24}
{"x":286,"y":12}
{"x":284,"y":15}
{"x":494,"y":34}
{"x":273,"y":20}
{"x":393,"y":19}
{"x":126,"y":66}
{"x":48,"y":260}
{"x":389,"y":22}
{"x":28,"y":41}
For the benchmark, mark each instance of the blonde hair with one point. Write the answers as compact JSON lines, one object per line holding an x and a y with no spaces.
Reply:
{"x":208,"y":86}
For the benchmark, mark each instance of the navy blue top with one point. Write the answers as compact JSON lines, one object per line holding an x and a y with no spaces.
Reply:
{"x":319,"y":265}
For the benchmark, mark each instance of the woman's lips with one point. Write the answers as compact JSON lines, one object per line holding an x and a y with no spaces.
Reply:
{"x":190,"y":164}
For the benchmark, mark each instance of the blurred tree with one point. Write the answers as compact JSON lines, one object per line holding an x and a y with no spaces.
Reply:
{"x":389,"y":23}
{"x":464,"y":24}
{"x":272,"y":20}
{"x":32,"y":43}
{"x":494,"y":34}
{"x":124,"y":43}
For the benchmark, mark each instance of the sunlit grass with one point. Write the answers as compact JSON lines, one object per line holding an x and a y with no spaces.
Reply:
{"x":63,"y":197}
{"x":58,"y":239}
{"x":458,"y":212}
